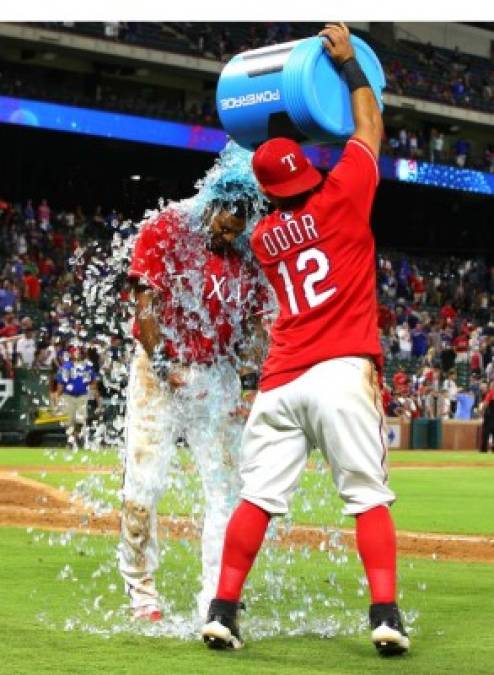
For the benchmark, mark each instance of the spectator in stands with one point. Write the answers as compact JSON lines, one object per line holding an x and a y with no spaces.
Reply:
{"x":67,"y":219}
{"x":476,"y":361}
{"x":26,"y":349}
{"x":47,"y":270}
{"x":413,"y":145}
{"x":418,"y":287}
{"x":405,"y":340}
{"x":10,"y":326}
{"x":26,"y":323}
{"x":461,"y":152}
{"x":32,"y":287}
{"x":403,"y":143}
{"x":44,"y":215}
{"x":419,"y":341}
{"x":434,"y":337}
{"x":433,"y":402}
{"x":29,"y":215}
{"x":6,"y":369}
{"x":8,"y":297}
{"x":450,"y":390}
{"x":403,"y":406}
{"x":438,"y":148}
{"x":386,"y":317}
{"x":20,"y":243}
{"x":460,"y":345}
{"x":458,"y":91}
{"x":448,"y":312}
{"x":401,"y":383}
{"x":447,"y":355}
{"x":46,"y":353}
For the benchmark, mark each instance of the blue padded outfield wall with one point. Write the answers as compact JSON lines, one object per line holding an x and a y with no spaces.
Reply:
{"x":113,"y":125}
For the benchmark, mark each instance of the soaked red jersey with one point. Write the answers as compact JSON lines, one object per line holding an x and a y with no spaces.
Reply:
{"x":206,"y":295}
{"x":320,"y":260}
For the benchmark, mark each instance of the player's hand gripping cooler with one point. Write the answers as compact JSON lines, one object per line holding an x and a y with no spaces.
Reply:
{"x":292,"y":90}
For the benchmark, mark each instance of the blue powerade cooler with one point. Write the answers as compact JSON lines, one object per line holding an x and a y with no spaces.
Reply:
{"x":292,"y":90}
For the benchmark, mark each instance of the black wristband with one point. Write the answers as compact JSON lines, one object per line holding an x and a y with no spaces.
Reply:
{"x":354,"y":75}
{"x":249,"y":382}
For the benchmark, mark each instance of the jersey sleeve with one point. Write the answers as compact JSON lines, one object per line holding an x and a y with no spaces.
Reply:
{"x":147,"y":258}
{"x":356,"y":176}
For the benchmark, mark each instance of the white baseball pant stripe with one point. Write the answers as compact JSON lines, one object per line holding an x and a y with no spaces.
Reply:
{"x":156,"y":417}
{"x":336,"y":407}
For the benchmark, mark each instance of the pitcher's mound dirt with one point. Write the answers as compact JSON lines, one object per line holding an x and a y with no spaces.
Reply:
{"x":28,"y":503}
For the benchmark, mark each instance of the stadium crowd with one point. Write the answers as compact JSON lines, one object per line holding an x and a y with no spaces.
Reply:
{"x":43,"y":320}
{"x":436,"y":321}
{"x":427,"y":143}
{"x":412,"y":67}
{"x":436,"y":315}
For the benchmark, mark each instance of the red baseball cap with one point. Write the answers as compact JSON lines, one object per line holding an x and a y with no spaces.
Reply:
{"x":282,"y":169}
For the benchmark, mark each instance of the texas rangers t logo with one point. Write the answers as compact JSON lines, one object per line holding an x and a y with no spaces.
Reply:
{"x":288,"y":159}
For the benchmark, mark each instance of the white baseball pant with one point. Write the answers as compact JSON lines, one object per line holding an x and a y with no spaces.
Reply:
{"x":336,"y":407}
{"x":156,"y":418}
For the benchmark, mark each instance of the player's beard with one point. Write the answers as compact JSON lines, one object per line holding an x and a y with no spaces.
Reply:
{"x":218,"y":245}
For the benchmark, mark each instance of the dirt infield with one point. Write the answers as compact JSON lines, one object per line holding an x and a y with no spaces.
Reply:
{"x":28,"y":503}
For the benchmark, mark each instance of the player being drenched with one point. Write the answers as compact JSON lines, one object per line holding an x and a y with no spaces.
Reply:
{"x":195,"y":294}
{"x":319,"y":386}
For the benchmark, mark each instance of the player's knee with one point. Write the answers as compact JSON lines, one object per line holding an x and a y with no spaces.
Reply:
{"x":136,"y":522}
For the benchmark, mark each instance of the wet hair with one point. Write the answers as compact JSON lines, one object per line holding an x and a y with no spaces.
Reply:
{"x":232,"y":199}
{"x":237,"y":207}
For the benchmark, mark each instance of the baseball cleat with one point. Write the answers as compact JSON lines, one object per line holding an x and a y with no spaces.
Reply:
{"x":388,"y":634}
{"x":221,"y":629}
{"x":147,"y":613}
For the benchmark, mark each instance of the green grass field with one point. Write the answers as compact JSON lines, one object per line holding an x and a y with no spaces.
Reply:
{"x":61,"y":601}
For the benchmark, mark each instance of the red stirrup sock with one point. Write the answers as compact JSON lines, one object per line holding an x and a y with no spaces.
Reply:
{"x":243,"y":539}
{"x":376,"y":543}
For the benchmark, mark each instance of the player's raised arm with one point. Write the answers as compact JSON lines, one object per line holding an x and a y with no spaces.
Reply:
{"x":366,"y":113}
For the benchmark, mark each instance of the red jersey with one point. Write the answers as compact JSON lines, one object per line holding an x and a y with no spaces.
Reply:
{"x":320,"y":261}
{"x":460,"y":343}
{"x":9,"y":330}
{"x":205,"y":295}
{"x":488,"y":397}
{"x":385,"y":317}
{"x":417,"y":284}
{"x":476,"y":361}
{"x":32,"y":287}
{"x":400,"y":382}
{"x":447,"y":312}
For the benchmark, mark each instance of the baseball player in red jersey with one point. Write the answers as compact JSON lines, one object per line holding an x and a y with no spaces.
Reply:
{"x":194,"y":293}
{"x":319,"y":385}
{"x":487,"y":408}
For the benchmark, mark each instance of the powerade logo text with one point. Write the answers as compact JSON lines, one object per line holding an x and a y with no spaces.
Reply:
{"x":250,"y":99}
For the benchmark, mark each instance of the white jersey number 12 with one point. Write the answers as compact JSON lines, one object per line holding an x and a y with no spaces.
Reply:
{"x":323,"y":268}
